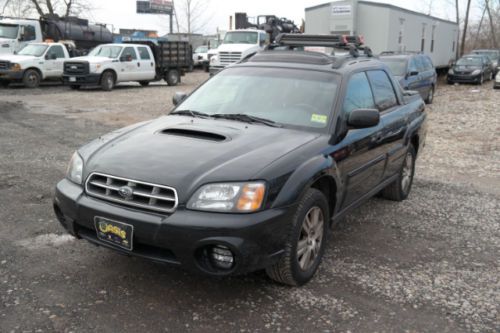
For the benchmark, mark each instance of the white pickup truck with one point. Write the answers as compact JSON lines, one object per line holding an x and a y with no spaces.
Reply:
{"x":237,"y":45}
{"x":34,"y":63}
{"x":110,"y":64}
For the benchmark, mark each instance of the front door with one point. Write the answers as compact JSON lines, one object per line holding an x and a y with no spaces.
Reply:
{"x":130,"y":65}
{"x":147,"y":65}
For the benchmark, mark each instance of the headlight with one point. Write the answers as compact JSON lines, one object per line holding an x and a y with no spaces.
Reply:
{"x":213,"y":59}
{"x":75,"y":169}
{"x":451,"y":71}
{"x":229,"y":197}
{"x":15,"y":67}
{"x":476,"y":72}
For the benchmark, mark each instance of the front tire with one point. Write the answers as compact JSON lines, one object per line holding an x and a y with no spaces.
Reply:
{"x":401,"y":187}
{"x":74,"y":87}
{"x":481,"y":80}
{"x":144,"y":83}
{"x":306,"y":242}
{"x":107,"y":81}
{"x":31,"y":79}
{"x":430,"y":96}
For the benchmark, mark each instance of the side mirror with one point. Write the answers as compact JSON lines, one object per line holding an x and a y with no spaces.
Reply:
{"x":21,"y":33}
{"x":363,"y":118}
{"x":178,"y":98}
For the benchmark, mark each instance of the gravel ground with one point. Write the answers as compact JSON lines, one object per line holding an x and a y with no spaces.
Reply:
{"x":429,"y":264}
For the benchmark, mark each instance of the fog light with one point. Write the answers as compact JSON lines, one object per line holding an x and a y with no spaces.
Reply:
{"x":222,"y":257}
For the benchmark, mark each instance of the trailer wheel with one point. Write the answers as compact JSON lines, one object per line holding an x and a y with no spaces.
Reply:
{"x":107,"y":81}
{"x":173,"y":77}
{"x":31,"y":78}
{"x":144,"y":83}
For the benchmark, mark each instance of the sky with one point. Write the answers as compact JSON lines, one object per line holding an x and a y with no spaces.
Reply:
{"x":121,"y":13}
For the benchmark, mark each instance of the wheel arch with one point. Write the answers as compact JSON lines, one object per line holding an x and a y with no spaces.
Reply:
{"x":108,"y":70}
{"x":38,"y":70}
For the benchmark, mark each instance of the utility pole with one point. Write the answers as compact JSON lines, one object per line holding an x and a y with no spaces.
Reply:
{"x":462,"y":47}
{"x":492,"y":27}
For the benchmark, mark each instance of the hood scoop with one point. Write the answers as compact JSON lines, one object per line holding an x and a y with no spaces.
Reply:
{"x":195,"y":134}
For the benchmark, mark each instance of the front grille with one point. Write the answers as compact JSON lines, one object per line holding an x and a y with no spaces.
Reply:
{"x":133,"y":193}
{"x":76,"y":68}
{"x":4,"y":65}
{"x":227,"y":58}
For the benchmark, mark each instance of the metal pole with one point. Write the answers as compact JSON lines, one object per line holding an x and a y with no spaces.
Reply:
{"x":171,"y":22}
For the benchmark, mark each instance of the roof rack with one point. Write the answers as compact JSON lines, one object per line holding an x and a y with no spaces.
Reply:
{"x":353,"y":44}
{"x":400,"y":52}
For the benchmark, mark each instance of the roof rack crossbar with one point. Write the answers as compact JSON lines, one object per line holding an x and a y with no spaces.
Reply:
{"x":335,"y":41}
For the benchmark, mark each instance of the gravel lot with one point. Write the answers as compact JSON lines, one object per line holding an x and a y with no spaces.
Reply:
{"x":429,"y":264}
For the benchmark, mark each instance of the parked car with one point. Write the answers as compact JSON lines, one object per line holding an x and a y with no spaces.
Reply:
{"x":252,"y":169}
{"x":471,"y":68}
{"x":143,"y":62}
{"x":200,"y":57}
{"x":414,"y":71}
{"x":493,"y":55}
{"x":33,"y":64}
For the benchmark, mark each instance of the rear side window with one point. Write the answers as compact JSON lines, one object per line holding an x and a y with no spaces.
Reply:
{"x":383,"y":91}
{"x":428,"y":63}
{"x":129,"y":51}
{"x":359,"y":94}
{"x":57,"y":50}
{"x":144,"y":53}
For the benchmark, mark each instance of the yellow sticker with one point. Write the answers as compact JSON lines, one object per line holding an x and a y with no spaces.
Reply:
{"x":319,"y":118}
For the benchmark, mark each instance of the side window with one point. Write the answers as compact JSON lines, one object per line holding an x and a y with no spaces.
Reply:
{"x":383,"y":91}
{"x":129,"y":51}
{"x":412,"y":65}
{"x":263,"y":39}
{"x":420,"y":64}
{"x":359,"y":94}
{"x":57,"y":50}
{"x":29,"y":33}
{"x":428,"y":63}
{"x":144,"y":53}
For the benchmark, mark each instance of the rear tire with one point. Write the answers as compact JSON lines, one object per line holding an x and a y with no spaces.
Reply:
{"x":306,"y":241}
{"x":173,"y":77}
{"x":31,"y":78}
{"x":401,"y":187}
{"x":430,"y":96}
{"x":144,"y":83}
{"x":107,"y":81}
{"x":74,"y":87}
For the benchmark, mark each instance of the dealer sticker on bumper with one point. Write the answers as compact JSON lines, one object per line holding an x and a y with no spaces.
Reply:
{"x":114,"y":232}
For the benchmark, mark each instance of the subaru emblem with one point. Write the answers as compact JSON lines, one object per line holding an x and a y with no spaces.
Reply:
{"x":126,"y":192}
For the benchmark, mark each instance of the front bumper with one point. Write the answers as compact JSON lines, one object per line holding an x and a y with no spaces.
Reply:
{"x":256,"y":240}
{"x":82,"y":80}
{"x":496,"y":84}
{"x":7,"y":75}
{"x":452,"y":78}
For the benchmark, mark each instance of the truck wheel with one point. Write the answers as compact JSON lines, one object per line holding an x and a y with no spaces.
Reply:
{"x":481,"y":80}
{"x":144,"y":83}
{"x":74,"y":87}
{"x":31,"y":78}
{"x":173,"y":77}
{"x":430,"y":96}
{"x":306,"y":243}
{"x":400,"y":188}
{"x":107,"y":81}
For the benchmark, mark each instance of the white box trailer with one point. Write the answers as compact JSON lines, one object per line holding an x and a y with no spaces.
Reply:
{"x":387,"y":28}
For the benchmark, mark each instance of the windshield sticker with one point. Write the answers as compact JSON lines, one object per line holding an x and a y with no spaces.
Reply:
{"x":319,"y":118}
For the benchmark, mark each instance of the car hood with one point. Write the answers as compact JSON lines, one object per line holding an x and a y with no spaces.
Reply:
{"x":93,"y":60}
{"x":186,"y":153}
{"x":16,"y":58}
{"x":466,"y":69}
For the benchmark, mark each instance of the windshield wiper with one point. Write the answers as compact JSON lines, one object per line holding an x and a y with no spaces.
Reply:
{"x":194,"y":114}
{"x":247,"y":119}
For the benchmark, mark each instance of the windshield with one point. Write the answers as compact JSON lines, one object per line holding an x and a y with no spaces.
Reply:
{"x":470,"y":61}
{"x":297,"y":98}
{"x":241,"y":37}
{"x":397,"y":66}
{"x":108,"y":51}
{"x":36,"y":50}
{"x":8,"y":31}
{"x":201,"y":49}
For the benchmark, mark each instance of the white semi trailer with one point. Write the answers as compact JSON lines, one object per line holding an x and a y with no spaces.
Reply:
{"x":387,"y":28}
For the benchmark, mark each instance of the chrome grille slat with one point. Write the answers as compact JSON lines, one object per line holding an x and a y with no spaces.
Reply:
{"x":154,"y":197}
{"x":227,"y":58}
{"x":4,"y":65}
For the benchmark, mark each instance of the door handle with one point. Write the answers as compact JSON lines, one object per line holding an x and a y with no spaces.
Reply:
{"x":138,"y":64}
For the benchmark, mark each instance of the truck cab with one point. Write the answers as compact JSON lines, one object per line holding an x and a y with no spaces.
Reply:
{"x":17,"y":33}
{"x":34,"y":63}
{"x":237,"y":45}
{"x":110,"y":64}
